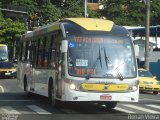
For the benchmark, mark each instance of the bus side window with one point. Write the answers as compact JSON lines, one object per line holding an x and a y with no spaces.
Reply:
{"x":40,"y":53}
{"x":29,"y":56}
{"x":37,"y":55}
{"x":26,"y":51}
{"x":51,"y":50}
{"x":46,"y":52}
{"x":52,"y":61}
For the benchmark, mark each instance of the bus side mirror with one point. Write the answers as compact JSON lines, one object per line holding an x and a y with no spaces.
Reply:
{"x":64,"y":46}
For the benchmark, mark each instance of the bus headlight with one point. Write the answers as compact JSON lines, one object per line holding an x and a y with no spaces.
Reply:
{"x":72,"y":86}
{"x":133,"y":88}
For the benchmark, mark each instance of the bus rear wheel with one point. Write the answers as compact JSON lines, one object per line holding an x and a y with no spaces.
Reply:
{"x":110,"y":105}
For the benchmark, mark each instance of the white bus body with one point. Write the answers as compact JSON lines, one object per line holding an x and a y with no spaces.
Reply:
{"x":79,"y":59}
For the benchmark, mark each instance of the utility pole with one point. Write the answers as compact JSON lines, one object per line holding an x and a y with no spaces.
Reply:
{"x":85,"y":8}
{"x":147,"y":34}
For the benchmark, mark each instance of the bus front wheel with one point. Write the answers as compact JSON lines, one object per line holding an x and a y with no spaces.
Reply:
{"x":110,"y":105}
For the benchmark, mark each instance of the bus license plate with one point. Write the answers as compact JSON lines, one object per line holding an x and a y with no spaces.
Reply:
{"x":7,"y":73}
{"x":105,"y":97}
{"x":148,"y":86}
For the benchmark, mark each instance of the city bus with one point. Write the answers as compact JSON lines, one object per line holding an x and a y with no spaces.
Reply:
{"x":3,"y":52}
{"x":79,"y":60}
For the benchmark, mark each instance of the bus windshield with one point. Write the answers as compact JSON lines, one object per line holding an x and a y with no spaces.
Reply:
{"x":101,"y":56}
{"x":3,"y":53}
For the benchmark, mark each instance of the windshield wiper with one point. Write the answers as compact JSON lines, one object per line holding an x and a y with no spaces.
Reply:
{"x":100,"y":58}
{"x":117,"y":71}
{"x":106,"y":58}
{"x":95,"y":64}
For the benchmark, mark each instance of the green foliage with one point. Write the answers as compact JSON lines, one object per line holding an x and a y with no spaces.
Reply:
{"x":93,"y":14}
{"x":48,"y":13}
{"x":124,"y":12}
{"x":131,"y":12}
{"x":155,"y":14}
{"x":53,"y":10}
{"x":72,"y":8}
{"x":31,"y":5}
{"x":10,"y":29}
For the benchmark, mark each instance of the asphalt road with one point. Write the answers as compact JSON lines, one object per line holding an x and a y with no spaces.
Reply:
{"x":14,"y":105}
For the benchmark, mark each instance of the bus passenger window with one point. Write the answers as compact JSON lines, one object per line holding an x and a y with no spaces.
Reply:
{"x":52,"y":59}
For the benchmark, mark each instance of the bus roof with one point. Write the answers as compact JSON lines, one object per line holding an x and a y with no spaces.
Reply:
{"x":42,"y":30}
{"x":93,"y":24}
{"x":88,"y":24}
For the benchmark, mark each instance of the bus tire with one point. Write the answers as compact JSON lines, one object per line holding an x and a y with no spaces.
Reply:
{"x":110,"y":105}
{"x":155,"y":92}
{"x":51,"y":94}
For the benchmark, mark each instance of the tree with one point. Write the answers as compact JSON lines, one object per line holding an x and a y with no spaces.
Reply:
{"x":73,"y":8}
{"x":48,"y":13}
{"x":39,"y":11}
{"x":124,"y":12}
{"x":130,"y":12}
{"x":10,"y":33}
{"x":155,"y":14}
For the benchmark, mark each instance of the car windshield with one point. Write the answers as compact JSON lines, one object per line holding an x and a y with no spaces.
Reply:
{"x":3,"y":53}
{"x":101,"y":55}
{"x":143,"y":73}
{"x":6,"y":65}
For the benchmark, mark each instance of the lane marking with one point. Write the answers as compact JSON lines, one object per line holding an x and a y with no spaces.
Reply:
{"x":2,"y":89}
{"x":148,"y":99}
{"x":153,"y":106}
{"x":123,"y":110}
{"x":141,"y":108}
{"x":38,"y":109}
{"x":9,"y":110}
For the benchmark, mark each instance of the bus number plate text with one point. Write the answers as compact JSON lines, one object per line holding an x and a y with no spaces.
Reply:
{"x":105,"y":97}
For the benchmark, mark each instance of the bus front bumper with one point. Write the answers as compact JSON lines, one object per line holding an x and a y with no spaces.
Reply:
{"x":73,"y":95}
